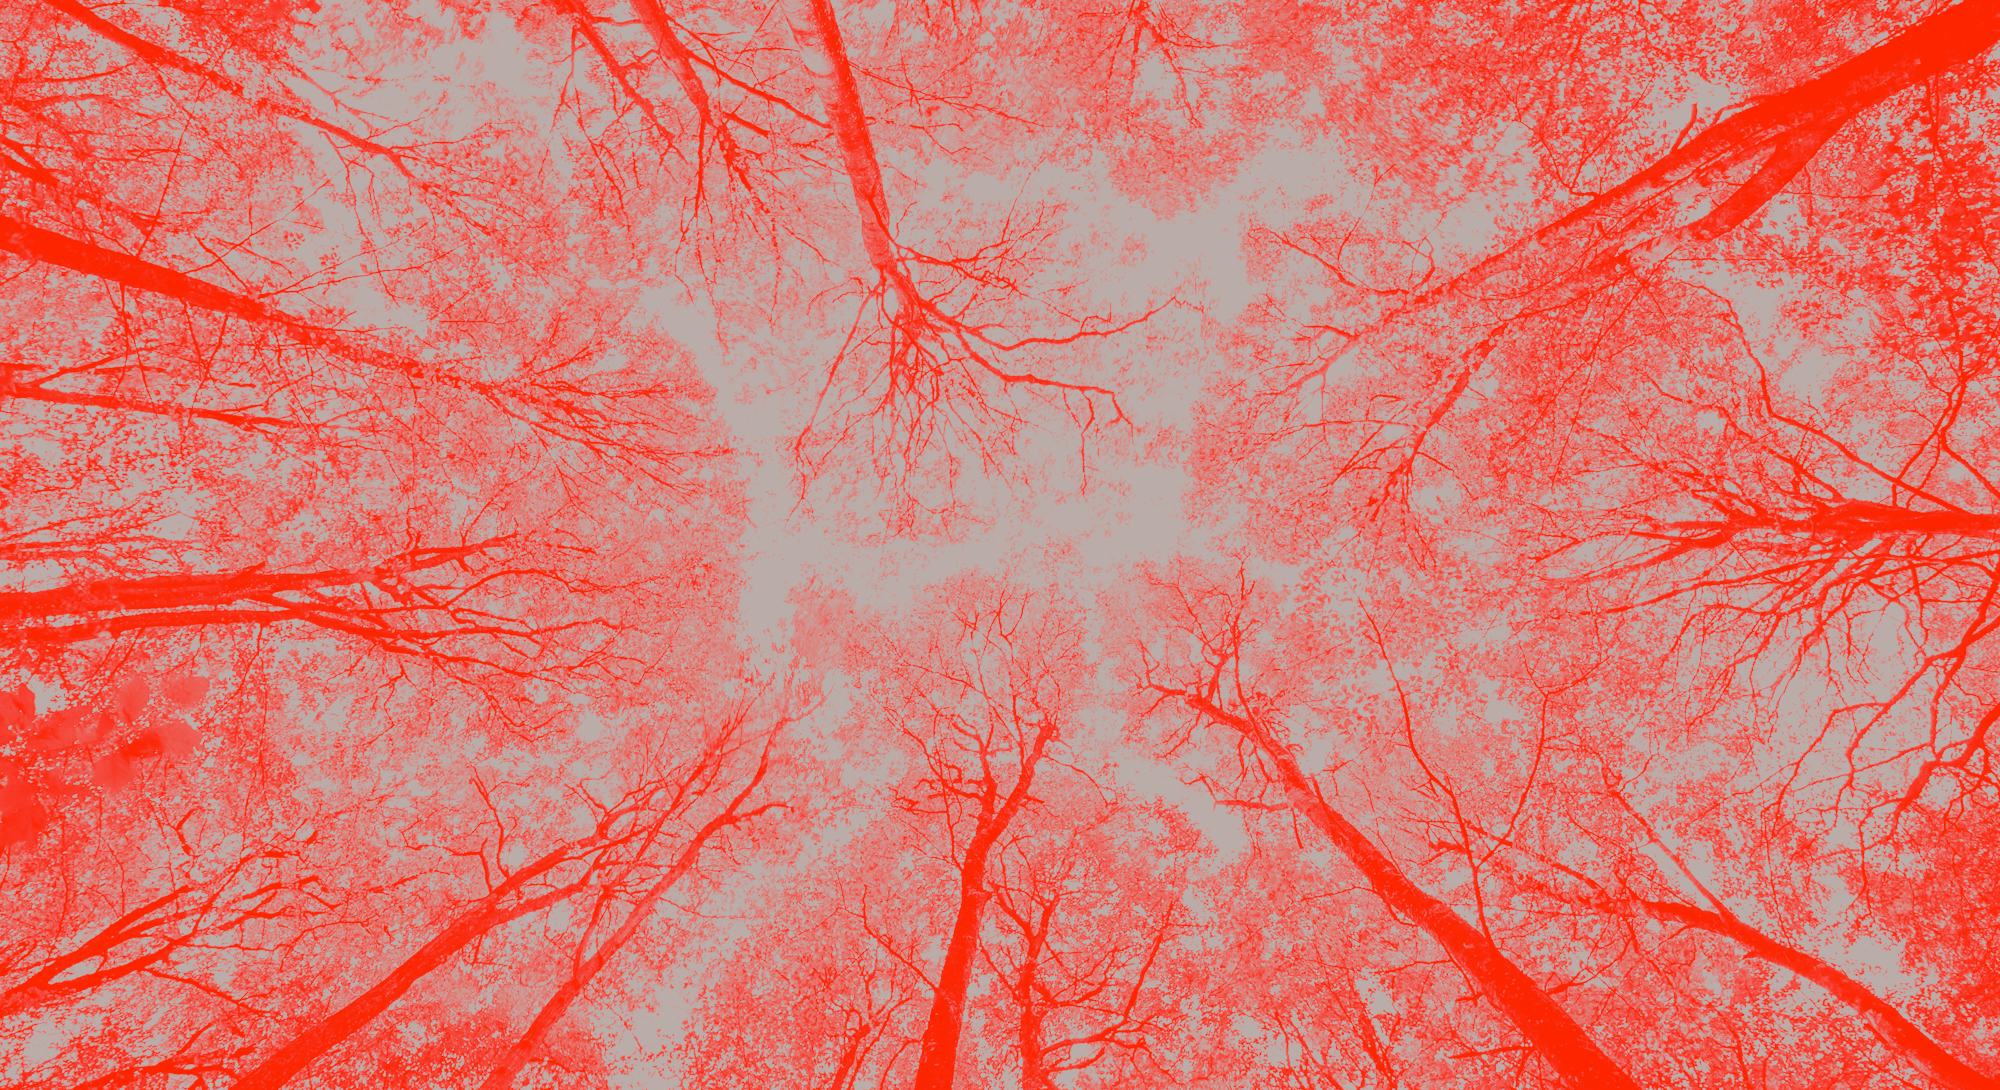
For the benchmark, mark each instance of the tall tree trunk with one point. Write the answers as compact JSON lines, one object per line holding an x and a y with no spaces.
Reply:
{"x":937,"y":1055}
{"x":681,"y":62}
{"x":1034,"y":1065}
{"x":39,"y":244}
{"x":1697,"y":191}
{"x":814,"y":23}
{"x":586,"y":970}
{"x":246,"y":596}
{"x":1553,"y":1033}
{"x":1901,"y":1035}
{"x":558,"y":410}
{"x":489,"y":913}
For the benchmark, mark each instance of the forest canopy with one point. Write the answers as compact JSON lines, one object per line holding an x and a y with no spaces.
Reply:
{"x":1014,"y":544}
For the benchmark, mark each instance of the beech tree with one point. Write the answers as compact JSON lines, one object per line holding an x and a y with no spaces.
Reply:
{"x":1204,"y":672}
{"x":1601,"y":257}
{"x":988,"y":681}
{"x":1090,"y":941}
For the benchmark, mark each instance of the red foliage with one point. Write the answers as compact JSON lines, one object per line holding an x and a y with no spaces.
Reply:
{"x":1041,"y":544}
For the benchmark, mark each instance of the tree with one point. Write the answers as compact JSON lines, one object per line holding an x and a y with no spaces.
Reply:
{"x":983,"y":684}
{"x":1619,"y":241}
{"x":647,"y":891}
{"x":945,"y":368}
{"x":624,"y":839}
{"x":1088,"y":937}
{"x":1201,"y":667}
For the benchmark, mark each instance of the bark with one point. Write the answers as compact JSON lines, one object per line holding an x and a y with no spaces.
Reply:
{"x":559,"y":410}
{"x":1851,"y":523}
{"x":1900,"y":1034}
{"x":1780,"y":132}
{"x":35,"y":243}
{"x":1034,"y":1067}
{"x":247,"y":596}
{"x":677,"y":57}
{"x":937,"y":1056}
{"x":813,"y":21}
{"x":163,"y":592}
{"x":489,"y":913}
{"x":552,"y":1012}
{"x":1698,"y":191}
{"x":38,"y":244}
{"x":1554,"y":1034}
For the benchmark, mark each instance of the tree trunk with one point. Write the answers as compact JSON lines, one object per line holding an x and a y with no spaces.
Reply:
{"x":90,"y":259}
{"x":1901,"y":1035}
{"x":1697,"y":191}
{"x":1554,"y":1034}
{"x":246,"y":596}
{"x":552,"y":1012}
{"x":937,"y":1057}
{"x":489,"y":913}
{"x":681,"y":62}
{"x":1034,"y":1067}
{"x":819,"y":33}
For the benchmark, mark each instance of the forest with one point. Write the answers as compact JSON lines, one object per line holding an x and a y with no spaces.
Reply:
{"x":999,"y":544}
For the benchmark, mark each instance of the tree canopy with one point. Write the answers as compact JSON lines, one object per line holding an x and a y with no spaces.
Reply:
{"x":1006,"y":545}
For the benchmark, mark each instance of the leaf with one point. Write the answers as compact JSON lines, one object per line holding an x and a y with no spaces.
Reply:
{"x":61,"y":729}
{"x":21,"y":825}
{"x":177,"y":736}
{"x":147,"y":744}
{"x":185,"y":690}
{"x":111,"y":772}
{"x":17,"y":708}
{"x":132,"y":697}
